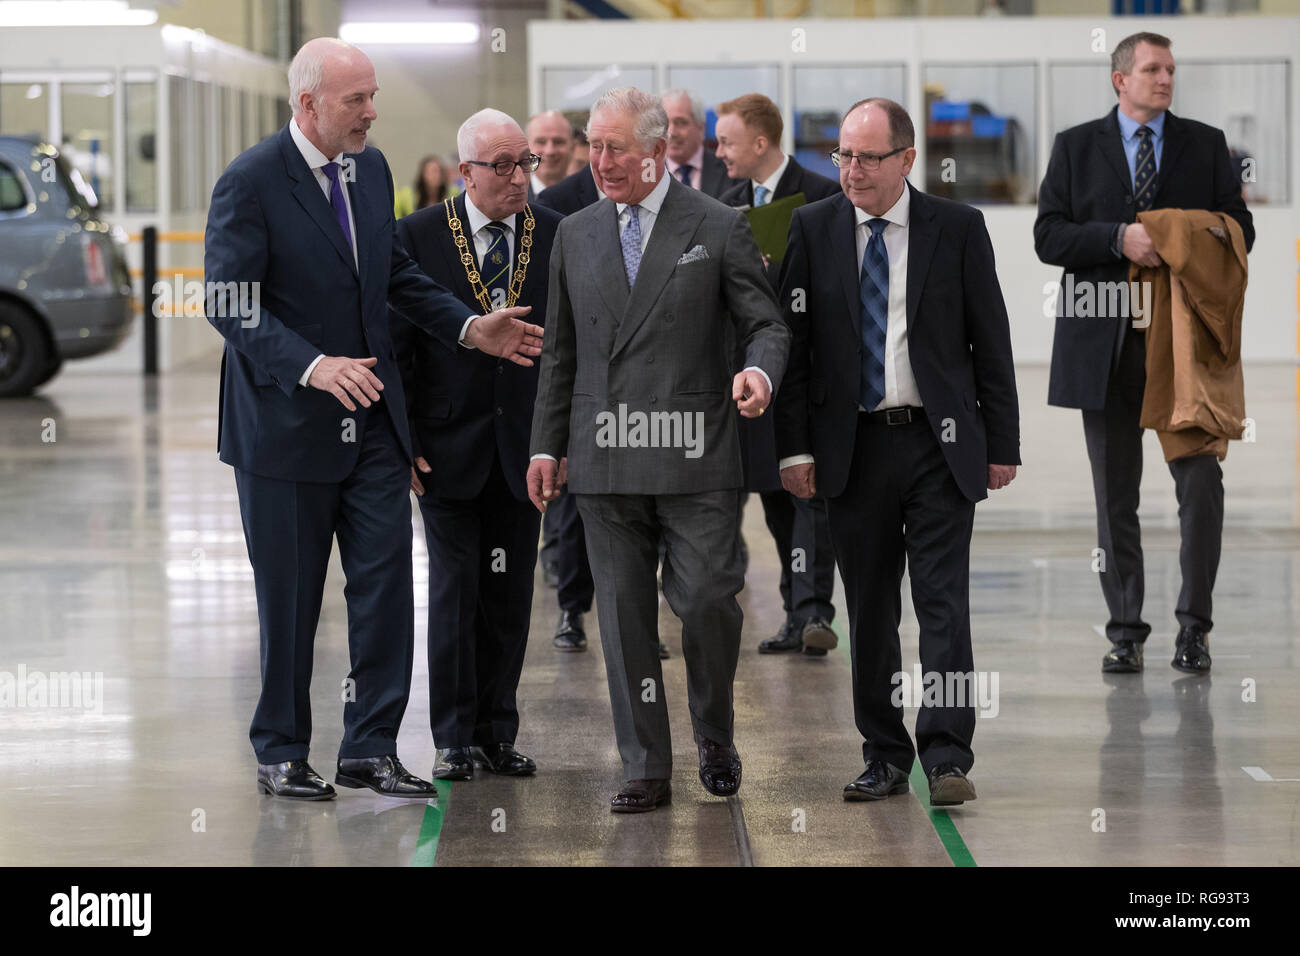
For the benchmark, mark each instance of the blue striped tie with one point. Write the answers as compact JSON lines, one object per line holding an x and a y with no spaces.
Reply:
{"x":874,"y":293}
{"x":1144,"y":171}
{"x":496,"y":265}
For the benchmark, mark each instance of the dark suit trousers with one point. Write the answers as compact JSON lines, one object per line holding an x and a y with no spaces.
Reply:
{"x":803,"y":543}
{"x":482,"y":555}
{"x":702,"y":576}
{"x":901,"y":505}
{"x":289,"y":528}
{"x":576,"y":589}
{"x":1114,"y":440}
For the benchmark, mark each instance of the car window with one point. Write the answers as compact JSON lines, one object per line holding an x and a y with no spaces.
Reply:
{"x":12,"y":195}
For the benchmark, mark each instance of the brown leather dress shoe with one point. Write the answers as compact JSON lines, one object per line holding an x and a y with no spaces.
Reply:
{"x":641,"y":796}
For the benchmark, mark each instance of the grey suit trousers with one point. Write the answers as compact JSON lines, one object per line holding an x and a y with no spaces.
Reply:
{"x":702,"y":576}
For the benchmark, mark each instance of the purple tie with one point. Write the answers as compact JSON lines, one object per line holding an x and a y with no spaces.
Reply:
{"x":336,"y":200}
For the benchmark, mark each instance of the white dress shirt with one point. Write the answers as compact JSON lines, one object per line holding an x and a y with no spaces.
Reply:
{"x":770,"y":182}
{"x":900,"y":384}
{"x":315,"y":160}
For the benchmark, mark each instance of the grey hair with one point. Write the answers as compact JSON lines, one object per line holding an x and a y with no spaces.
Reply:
{"x":697,"y":104}
{"x":467,"y":136}
{"x":308,"y":68}
{"x":651,"y":120}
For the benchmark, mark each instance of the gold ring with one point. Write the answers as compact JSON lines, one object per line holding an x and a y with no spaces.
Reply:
{"x":762,"y":410}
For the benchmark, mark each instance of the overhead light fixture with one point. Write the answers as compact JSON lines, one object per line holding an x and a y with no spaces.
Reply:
{"x":425,"y":33}
{"x":73,"y":13}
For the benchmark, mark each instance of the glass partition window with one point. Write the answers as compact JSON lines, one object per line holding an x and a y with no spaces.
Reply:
{"x":25,"y":110}
{"x":141,"y":147}
{"x":822,"y":94}
{"x":576,"y":88}
{"x":1250,"y":102}
{"x":979,"y":127}
{"x":181,"y":143}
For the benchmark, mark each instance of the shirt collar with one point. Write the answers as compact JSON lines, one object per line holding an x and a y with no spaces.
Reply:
{"x":1128,"y":126}
{"x":652,"y":202}
{"x":314,"y":157}
{"x":775,"y":178}
{"x":696,"y":162}
{"x":478,"y":219}
{"x":897,"y":214}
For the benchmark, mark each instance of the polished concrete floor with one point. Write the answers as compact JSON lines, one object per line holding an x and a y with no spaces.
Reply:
{"x":122,"y":556}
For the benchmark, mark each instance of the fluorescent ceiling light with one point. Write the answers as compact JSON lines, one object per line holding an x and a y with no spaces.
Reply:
{"x":73,"y":13}
{"x":424,"y":33}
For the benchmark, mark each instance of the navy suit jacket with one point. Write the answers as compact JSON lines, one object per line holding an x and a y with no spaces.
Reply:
{"x":573,"y":192}
{"x":465,"y":407}
{"x":958,"y":341}
{"x":270,"y":223}
{"x":1086,"y":191}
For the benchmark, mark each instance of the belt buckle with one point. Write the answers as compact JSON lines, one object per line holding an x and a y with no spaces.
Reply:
{"x":898,"y":416}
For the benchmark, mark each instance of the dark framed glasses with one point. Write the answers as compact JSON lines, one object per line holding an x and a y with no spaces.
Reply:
{"x":506,"y":167}
{"x":865,"y":160}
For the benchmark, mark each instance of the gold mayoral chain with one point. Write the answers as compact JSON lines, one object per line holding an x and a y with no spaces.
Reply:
{"x":467,"y":258}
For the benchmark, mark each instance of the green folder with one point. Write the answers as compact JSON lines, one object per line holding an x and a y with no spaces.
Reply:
{"x":771,"y":224}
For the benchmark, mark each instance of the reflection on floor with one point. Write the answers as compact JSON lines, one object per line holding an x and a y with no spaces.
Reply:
{"x":123,"y":558}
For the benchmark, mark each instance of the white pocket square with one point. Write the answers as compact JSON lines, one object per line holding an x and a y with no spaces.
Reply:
{"x":696,"y":254}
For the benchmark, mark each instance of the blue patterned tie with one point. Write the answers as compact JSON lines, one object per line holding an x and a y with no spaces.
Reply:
{"x":496,"y":264}
{"x":336,"y":200}
{"x":632,"y":244}
{"x":1144,"y":171}
{"x":760,"y":196}
{"x":874,"y":292}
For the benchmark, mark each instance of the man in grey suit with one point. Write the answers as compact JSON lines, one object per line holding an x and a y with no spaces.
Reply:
{"x":635,"y":390}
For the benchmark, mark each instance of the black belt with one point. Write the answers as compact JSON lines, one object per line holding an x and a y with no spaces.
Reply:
{"x":903,"y":415}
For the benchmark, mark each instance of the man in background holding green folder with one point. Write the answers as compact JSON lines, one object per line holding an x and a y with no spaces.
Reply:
{"x":773,"y":184}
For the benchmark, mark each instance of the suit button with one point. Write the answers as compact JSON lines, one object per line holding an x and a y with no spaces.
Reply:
{"x":499,"y":411}
{"x":1128,"y":200}
{"x":653,"y":399}
{"x":500,"y":369}
{"x":650,"y":360}
{"x":592,"y":318}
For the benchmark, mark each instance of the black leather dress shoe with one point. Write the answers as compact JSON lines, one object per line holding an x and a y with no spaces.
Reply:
{"x":719,"y":767}
{"x":569,"y":635}
{"x":1192,"y":651}
{"x":949,"y":786}
{"x":641,"y":796}
{"x":1125,"y":657}
{"x":384,"y":775}
{"x":877,"y":782}
{"x":663,"y":651}
{"x":503,"y":759}
{"x":293,"y":778}
{"x":789,"y":638}
{"x":454,"y":763}
{"x":818,"y":638}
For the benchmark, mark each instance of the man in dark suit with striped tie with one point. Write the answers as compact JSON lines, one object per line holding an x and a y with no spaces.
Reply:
{"x":1101,"y":175}
{"x":470,"y":416}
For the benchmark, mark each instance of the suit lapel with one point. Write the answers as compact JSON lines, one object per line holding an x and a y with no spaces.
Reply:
{"x":361,"y":222}
{"x":607,"y":263}
{"x":1175,"y":139}
{"x":1111,"y":144}
{"x":307,"y":191}
{"x":922,"y":237}
{"x":673,"y":228}
{"x":844,"y":248}
{"x":788,"y":184}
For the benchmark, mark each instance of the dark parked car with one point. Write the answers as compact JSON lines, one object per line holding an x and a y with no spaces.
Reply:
{"x":65,"y":291}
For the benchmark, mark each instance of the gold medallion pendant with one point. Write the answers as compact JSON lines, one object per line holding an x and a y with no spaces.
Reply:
{"x":467,"y":258}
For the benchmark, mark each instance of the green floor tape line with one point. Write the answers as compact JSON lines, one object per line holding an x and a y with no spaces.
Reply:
{"x":426,"y":845}
{"x":942,"y":822}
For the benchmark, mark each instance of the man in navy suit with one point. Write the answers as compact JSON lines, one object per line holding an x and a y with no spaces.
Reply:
{"x":471,"y":416}
{"x":900,"y":407}
{"x":305,"y":220}
{"x":1139,"y":156}
{"x":749,"y":143}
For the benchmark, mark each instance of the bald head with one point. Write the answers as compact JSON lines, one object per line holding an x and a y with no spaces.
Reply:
{"x":550,"y":136}
{"x":332,"y":90}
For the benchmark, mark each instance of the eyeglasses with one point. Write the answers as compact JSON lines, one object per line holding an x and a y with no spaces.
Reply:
{"x":865,"y":160}
{"x":507,"y":166}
